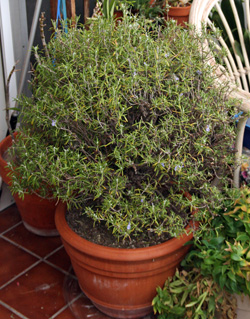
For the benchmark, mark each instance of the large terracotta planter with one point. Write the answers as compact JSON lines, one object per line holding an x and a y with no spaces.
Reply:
{"x":180,"y":14}
{"x":120,"y":282}
{"x":37,"y":213}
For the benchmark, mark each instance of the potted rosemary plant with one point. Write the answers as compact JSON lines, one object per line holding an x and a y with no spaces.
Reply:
{"x":124,"y":123}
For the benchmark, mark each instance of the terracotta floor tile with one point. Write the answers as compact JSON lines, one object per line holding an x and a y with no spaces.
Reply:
{"x":43,"y":291}
{"x":66,"y":314}
{"x":38,"y":294}
{"x":9,"y":217}
{"x":13,"y":261}
{"x":39,"y":245}
{"x":61,"y":259}
{"x":7,"y":314}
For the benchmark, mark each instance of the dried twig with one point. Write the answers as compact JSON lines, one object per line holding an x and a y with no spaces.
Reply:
{"x":73,"y":12}
{"x":86,"y":10}
{"x":7,"y":100}
{"x":42,"y":25}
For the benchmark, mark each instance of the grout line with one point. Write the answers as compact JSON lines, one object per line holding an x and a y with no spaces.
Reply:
{"x":13,"y":310}
{"x":20,"y":274}
{"x":53,"y":252}
{"x":60,"y":269}
{"x":41,"y":259}
{"x":66,"y":306}
{"x":7,"y":230}
{"x":21,"y":247}
{"x":29,"y":251}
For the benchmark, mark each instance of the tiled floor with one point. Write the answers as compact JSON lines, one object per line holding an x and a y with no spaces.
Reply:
{"x":36,"y":278}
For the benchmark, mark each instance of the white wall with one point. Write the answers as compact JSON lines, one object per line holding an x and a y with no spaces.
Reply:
{"x":14,"y":40}
{"x":13,"y":45}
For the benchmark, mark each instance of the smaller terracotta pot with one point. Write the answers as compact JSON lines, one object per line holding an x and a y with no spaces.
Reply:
{"x":4,"y":145}
{"x":118,"y":15}
{"x":180,"y":14}
{"x":37,"y":213}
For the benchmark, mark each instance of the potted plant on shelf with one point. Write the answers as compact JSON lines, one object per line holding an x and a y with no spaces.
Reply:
{"x":178,"y":10}
{"x":124,"y":123}
{"x":221,"y":255}
{"x":150,"y":10}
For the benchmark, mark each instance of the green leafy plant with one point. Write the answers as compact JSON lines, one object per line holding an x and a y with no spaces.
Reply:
{"x":113,"y":9}
{"x":123,"y":118}
{"x":189,"y":295}
{"x":154,"y":11}
{"x":224,"y":251}
{"x":217,"y":266}
{"x":245,"y":173}
{"x":108,"y":8}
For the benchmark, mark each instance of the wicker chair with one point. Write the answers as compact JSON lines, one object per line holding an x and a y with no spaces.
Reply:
{"x":237,"y":71}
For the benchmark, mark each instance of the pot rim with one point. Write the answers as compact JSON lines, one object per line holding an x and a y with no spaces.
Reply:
{"x":5,"y":144}
{"x":185,"y":8}
{"x":113,"y":253}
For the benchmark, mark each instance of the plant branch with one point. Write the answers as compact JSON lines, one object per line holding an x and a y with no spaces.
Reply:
{"x":7,"y":100}
{"x":42,"y":25}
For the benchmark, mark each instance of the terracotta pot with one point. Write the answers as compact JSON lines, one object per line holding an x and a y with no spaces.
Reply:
{"x":120,"y":282}
{"x":180,"y":14}
{"x":4,"y":145}
{"x":118,"y":15}
{"x":37,"y":214}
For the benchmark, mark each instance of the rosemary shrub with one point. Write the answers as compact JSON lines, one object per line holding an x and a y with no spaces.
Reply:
{"x":125,"y":116}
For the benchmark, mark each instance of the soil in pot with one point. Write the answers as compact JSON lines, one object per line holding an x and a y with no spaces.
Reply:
{"x":100,"y":235}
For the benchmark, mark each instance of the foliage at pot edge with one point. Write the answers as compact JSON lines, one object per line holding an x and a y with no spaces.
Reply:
{"x":224,"y":251}
{"x":189,"y":295}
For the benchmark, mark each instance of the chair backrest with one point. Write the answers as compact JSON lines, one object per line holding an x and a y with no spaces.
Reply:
{"x":233,"y":18}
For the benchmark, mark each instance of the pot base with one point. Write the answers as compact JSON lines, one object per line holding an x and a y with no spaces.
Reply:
{"x":120,"y":312}
{"x":124,"y":314}
{"x":37,"y":214}
{"x":79,"y":304}
{"x":41,"y":232}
